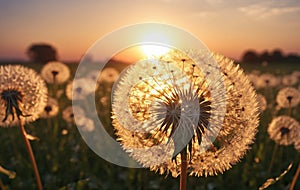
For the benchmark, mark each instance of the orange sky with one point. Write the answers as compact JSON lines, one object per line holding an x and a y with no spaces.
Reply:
{"x":72,"y":27}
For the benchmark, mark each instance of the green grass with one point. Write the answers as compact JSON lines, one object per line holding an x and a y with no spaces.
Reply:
{"x":66,"y":162}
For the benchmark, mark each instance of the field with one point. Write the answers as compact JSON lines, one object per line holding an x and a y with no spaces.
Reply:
{"x":66,"y":163}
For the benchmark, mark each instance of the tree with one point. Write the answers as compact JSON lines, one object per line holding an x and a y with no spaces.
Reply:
{"x":292,"y":58}
{"x":250,"y":56}
{"x":265,"y":56}
{"x":277,"y":55}
{"x":41,"y":53}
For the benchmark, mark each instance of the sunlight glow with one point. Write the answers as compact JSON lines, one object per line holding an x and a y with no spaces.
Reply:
{"x":154,"y":50}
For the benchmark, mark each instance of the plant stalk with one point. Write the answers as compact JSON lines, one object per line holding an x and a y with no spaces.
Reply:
{"x":273,"y":158}
{"x":31,"y":155}
{"x":295,"y":178}
{"x":183,"y":170}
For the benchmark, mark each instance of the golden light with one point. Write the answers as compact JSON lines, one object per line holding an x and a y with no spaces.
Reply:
{"x":154,"y":50}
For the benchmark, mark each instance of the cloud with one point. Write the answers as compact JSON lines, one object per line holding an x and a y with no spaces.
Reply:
{"x":267,"y":10}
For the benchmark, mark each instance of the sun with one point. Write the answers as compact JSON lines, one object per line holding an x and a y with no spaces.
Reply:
{"x":151,"y":50}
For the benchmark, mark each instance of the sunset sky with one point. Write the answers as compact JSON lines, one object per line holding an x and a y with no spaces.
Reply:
{"x":227,"y":27}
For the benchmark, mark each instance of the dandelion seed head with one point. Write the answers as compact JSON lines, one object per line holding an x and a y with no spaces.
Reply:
{"x":51,"y":109}
{"x":93,"y":75}
{"x":289,"y":80}
{"x":79,"y":88}
{"x":85,"y":123}
{"x":288,"y":97}
{"x":296,"y":74}
{"x":284,"y":130}
{"x":172,"y":105}
{"x":108,"y":75}
{"x":262,"y":102}
{"x":68,"y":114}
{"x":55,"y":72}
{"x":267,"y":80}
{"x":297,"y":144}
{"x":22,"y":93}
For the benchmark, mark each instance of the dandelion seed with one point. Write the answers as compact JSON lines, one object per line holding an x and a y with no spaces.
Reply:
{"x":171,"y":99}
{"x":51,"y":109}
{"x":55,"y":72}
{"x":23,"y":93}
{"x":288,"y":97}
{"x":284,"y":130}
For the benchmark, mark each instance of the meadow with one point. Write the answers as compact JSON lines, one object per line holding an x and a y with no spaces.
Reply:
{"x":66,"y":163}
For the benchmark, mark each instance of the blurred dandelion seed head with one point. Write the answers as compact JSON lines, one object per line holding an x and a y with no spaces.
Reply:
{"x":284,"y":130}
{"x":288,"y":97}
{"x":182,"y":101}
{"x":289,"y":80}
{"x":51,"y":109}
{"x":68,"y":114}
{"x":267,"y":80}
{"x":108,"y":75}
{"x":23,"y":94}
{"x":262,"y":102}
{"x":55,"y":72}
{"x":79,"y":88}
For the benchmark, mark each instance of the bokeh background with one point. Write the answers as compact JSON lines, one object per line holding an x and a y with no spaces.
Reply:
{"x":261,"y":36}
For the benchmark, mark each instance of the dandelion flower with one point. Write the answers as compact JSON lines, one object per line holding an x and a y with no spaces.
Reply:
{"x":51,"y":109}
{"x":288,"y":97}
{"x":284,"y":130}
{"x":109,"y":75}
{"x":79,"y":88}
{"x":23,"y":93}
{"x":171,"y":100}
{"x":55,"y":72}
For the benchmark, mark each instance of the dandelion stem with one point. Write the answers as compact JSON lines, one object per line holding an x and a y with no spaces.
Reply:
{"x":295,"y":178}
{"x":31,"y":155}
{"x":183,"y":170}
{"x":54,"y":87}
{"x":273,"y":158}
{"x":2,"y":185}
{"x":290,"y":111}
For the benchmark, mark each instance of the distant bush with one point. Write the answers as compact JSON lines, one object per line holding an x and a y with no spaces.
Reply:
{"x":41,"y":53}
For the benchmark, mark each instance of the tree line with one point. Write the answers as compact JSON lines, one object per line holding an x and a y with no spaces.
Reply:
{"x":43,"y":53}
{"x":275,"y":56}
